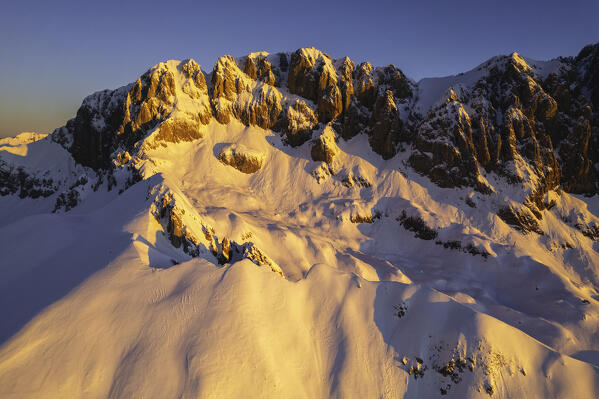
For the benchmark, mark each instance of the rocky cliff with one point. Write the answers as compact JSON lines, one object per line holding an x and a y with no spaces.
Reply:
{"x":532,"y":124}
{"x":424,"y":228}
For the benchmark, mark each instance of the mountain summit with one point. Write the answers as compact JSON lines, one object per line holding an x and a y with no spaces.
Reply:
{"x":293,"y":225}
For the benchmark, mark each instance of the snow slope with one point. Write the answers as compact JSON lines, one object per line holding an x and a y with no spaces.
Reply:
{"x":192,"y":329}
{"x":335,"y":296}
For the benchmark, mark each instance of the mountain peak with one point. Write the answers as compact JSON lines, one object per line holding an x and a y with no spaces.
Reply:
{"x":432,"y":229}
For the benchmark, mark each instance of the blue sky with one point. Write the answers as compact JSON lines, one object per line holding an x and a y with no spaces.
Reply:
{"x":54,"y":53}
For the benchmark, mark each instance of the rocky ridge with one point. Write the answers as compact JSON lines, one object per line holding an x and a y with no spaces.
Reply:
{"x":338,"y":186}
{"x":534,"y":126}
{"x":186,"y":229}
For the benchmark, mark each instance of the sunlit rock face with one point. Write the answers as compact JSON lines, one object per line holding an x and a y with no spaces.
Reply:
{"x":370,"y":105}
{"x":325,"y":148}
{"x":297,"y":121}
{"x":242,"y":158}
{"x":500,"y":124}
{"x":385,"y":125}
{"x":507,"y":117}
{"x":425,"y":229}
{"x":260,"y":69}
{"x":235,"y":94}
{"x":111,"y":119}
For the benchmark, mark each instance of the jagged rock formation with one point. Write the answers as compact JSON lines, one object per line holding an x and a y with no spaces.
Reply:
{"x":385,"y":125}
{"x":324,"y":148}
{"x":576,"y":126}
{"x":187,"y":230}
{"x":109,"y":120}
{"x":259,"y":68}
{"x":535,"y":126}
{"x":241,"y":158}
{"x":496,"y":125}
{"x":18,"y":181}
{"x":188,"y":194}
{"x":236,"y":94}
{"x":522,"y":219}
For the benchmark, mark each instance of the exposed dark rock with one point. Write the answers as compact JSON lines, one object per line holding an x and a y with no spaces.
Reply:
{"x":18,"y":181}
{"x":192,"y":71}
{"x":588,"y":58}
{"x":579,"y":176}
{"x":365,"y":87}
{"x":225,"y":254}
{"x":361,"y":219}
{"x":385,"y":126}
{"x":418,"y":226}
{"x":313,"y":76}
{"x":393,"y":79}
{"x":263,"y":111}
{"x":225,"y":82}
{"x":508,"y":118}
{"x":350,"y":180}
{"x":113,"y":118}
{"x":175,"y":130}
{"x":324,"y":148}
{"x":444,"y":148}
{"x":250,"y":68}
{"x":591,"y":231}
{"x":303,"y":79}
{"x":457,"y":246}
{"x":171,"y":217}
{"x":67,"y":201}
{"x":522,"y":219}
{"x":346,"y":84}
{"x":260,"y":69}
{"x":540,"y":133}
{"x":241,"y":158}
{"x":400,"y":310}
{"x":93,"y":129}
{"x":264,"y":108}
{"x":330,"y":104}
{"x":354,"y":121}
{"x":297,"y":122}
{"x":283,"y":63}
{"x":248,"y":250}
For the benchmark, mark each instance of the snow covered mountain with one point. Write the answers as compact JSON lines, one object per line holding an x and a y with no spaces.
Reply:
{"x":292,"y":225}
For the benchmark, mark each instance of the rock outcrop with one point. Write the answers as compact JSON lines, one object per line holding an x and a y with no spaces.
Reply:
{"x":179,"y":129}
{"x":236,"y":95}
{"x":385,"y":125}
{"x":312,"y":75}
{"x":500,"y":125}
{"x":117,"y":118}
{"x":297,"y":122}
{"x":372,"y":106}
{"x":185,"y":229}
{"x":325,"y":148}
{"x":242,"y":158}
{"x":19,"y":182}
{"x":259,"y":68}
{"x":575,"y":130}
{"x":540,"y":130}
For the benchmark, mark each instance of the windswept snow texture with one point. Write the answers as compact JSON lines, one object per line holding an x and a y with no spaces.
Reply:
{"x":180,"y":276}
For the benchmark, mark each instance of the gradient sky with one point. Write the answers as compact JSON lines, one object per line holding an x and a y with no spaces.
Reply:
{"x":54,"y":53}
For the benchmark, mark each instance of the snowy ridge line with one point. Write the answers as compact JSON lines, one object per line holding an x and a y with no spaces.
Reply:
{"x":186,"y":229}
